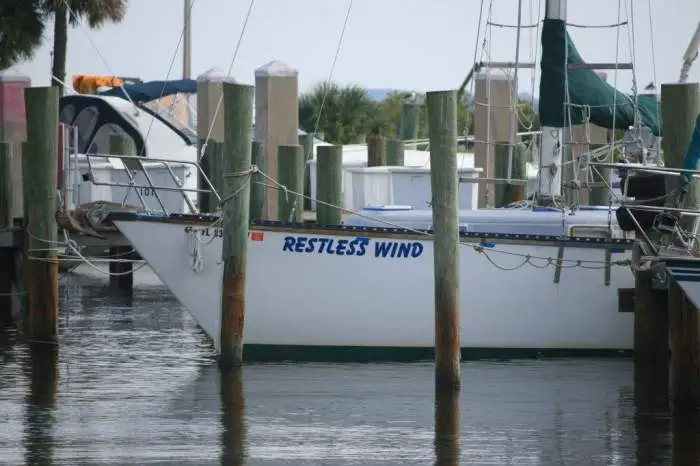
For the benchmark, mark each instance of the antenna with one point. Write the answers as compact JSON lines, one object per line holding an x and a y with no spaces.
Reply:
{"x":691,"y":53}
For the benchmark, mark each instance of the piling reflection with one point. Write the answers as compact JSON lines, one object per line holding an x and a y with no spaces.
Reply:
{"x":233,"y":434}
{"x":447,"y":428}
{"x":652,"y":417}
{"x":686,"y":439}
{"x":42,"y":371}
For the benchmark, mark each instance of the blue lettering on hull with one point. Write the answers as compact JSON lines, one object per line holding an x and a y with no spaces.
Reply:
{"x":352,"y":247}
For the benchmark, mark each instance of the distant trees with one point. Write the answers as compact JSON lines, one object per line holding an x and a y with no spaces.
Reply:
{"x":349,"y":114}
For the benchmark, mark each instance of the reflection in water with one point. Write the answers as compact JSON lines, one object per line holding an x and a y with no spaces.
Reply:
{"x":447,"y":431}
{"x":139,"y":385}
{"x":42,"y":371}
{"x":232,"y":418}
{"x":652,"y":418}
{"x":686,"y":439}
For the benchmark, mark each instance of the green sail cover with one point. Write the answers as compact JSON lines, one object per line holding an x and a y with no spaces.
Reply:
{"x":585,"y":88}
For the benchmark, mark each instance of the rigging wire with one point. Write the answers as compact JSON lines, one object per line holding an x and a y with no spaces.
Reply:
{"x":170,"y":70}
{"x":332,"y":70}
{"x":94,"y":46}
{"x":228,"y":73}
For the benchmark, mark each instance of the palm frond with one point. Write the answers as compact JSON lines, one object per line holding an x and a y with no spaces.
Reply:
{"x":21,"y":30}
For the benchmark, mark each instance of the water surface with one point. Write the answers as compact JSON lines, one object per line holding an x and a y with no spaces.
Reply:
{"x":135,"y":382}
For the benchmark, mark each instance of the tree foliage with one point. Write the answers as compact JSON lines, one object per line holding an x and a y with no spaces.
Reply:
{"x":21,"y":30}
{"x":64,"y":12}
{"x":22,"y":24}
{"x":349,"y":114}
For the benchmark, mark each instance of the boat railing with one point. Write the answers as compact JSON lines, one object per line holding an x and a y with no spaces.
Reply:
{"x":132,"y":165}
{"x":153,"y":188}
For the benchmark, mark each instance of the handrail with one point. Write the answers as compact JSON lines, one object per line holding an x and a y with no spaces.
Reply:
{"x":141,"y":161}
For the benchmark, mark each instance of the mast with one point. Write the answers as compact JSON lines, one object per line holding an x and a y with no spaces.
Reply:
{"x":551,"y":138}
{"x":187,"y":41}
{"x":187,"y":59}
{"x":690,"y":55}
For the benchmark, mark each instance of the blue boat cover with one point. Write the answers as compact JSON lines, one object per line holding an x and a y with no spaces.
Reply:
{"x":692,"y":156}
{"x":152,"y":90}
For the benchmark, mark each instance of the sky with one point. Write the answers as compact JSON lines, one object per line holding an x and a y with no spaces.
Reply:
{"x":421,"y":45}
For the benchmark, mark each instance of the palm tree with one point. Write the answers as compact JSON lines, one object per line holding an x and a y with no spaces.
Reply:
{"x":21,"y":30}
{"x":344,"y":114}
{"x":64,"y":12}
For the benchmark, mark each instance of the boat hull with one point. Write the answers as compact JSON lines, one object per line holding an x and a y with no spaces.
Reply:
{"x":301,"y":297}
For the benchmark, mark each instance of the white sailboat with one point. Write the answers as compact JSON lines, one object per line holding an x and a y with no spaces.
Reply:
{"x":533,"y":280}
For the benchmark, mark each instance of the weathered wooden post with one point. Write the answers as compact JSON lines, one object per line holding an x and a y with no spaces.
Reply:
{"x":409,"y":122}
{"x":329,"y":175}
{"x":214,"y":155}
{"x":232,"y":397}
{"x":508,"y":193}
{"x":447,"y":432}
{"x":42,"y":368}
{"x":307,"y":142}
{"x":41,"y":268}
{"x":211,"y":162}
{"x":257,"y":182}
{"x":442,"y":128}
{"x":7,"y":263}
{"x":290,"y":166}
{"x":121,"y":276}
{"x":376,"y":151}
{"x":394,"y":152}
{"x":651,"y":345}
{"x":680,"y":104}
{"x":210,"y":128}
{"x":6,"y":191}
{"x":238,"y":130}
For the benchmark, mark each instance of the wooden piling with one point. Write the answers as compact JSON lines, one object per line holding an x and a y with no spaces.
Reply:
{"x":600,"y":195}
{"x":238,"y":129}
{"x":376,"y":151}
{"x":42,"y":369}
{"x":211,"y":166}
{"x":680,"y":105}
{"x":7,"y":263}
{"x":41,"y":268}
{"x":6,"y":188}
{"x":307,"y":142}
{"x":685,"y":351}
{"x":215,"y":154}
{"x":257,"y":182}
{"x":447,"y":431}
{"x":409,"y":122}
{"x":290,"y":167}
{"x":394,"y":152}
{"x":508,"y":193}
{"x":329,"y":175}
{"x":233,"y":435}
{"x":442,"y":127}
{"x":121,"y":276}
{"x":679,"y":109}
{"x":651,"y":345}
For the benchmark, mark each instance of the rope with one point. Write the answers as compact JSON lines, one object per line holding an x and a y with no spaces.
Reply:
{"x":197,"y":257}
{"x":590,"y":264}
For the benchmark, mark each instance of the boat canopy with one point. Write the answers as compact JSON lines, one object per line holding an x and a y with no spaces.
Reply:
{"x":589,"y":95}
{"x":152,"y":90}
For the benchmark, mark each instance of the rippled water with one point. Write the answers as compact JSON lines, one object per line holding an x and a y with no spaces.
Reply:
{"x":135,"y":383}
